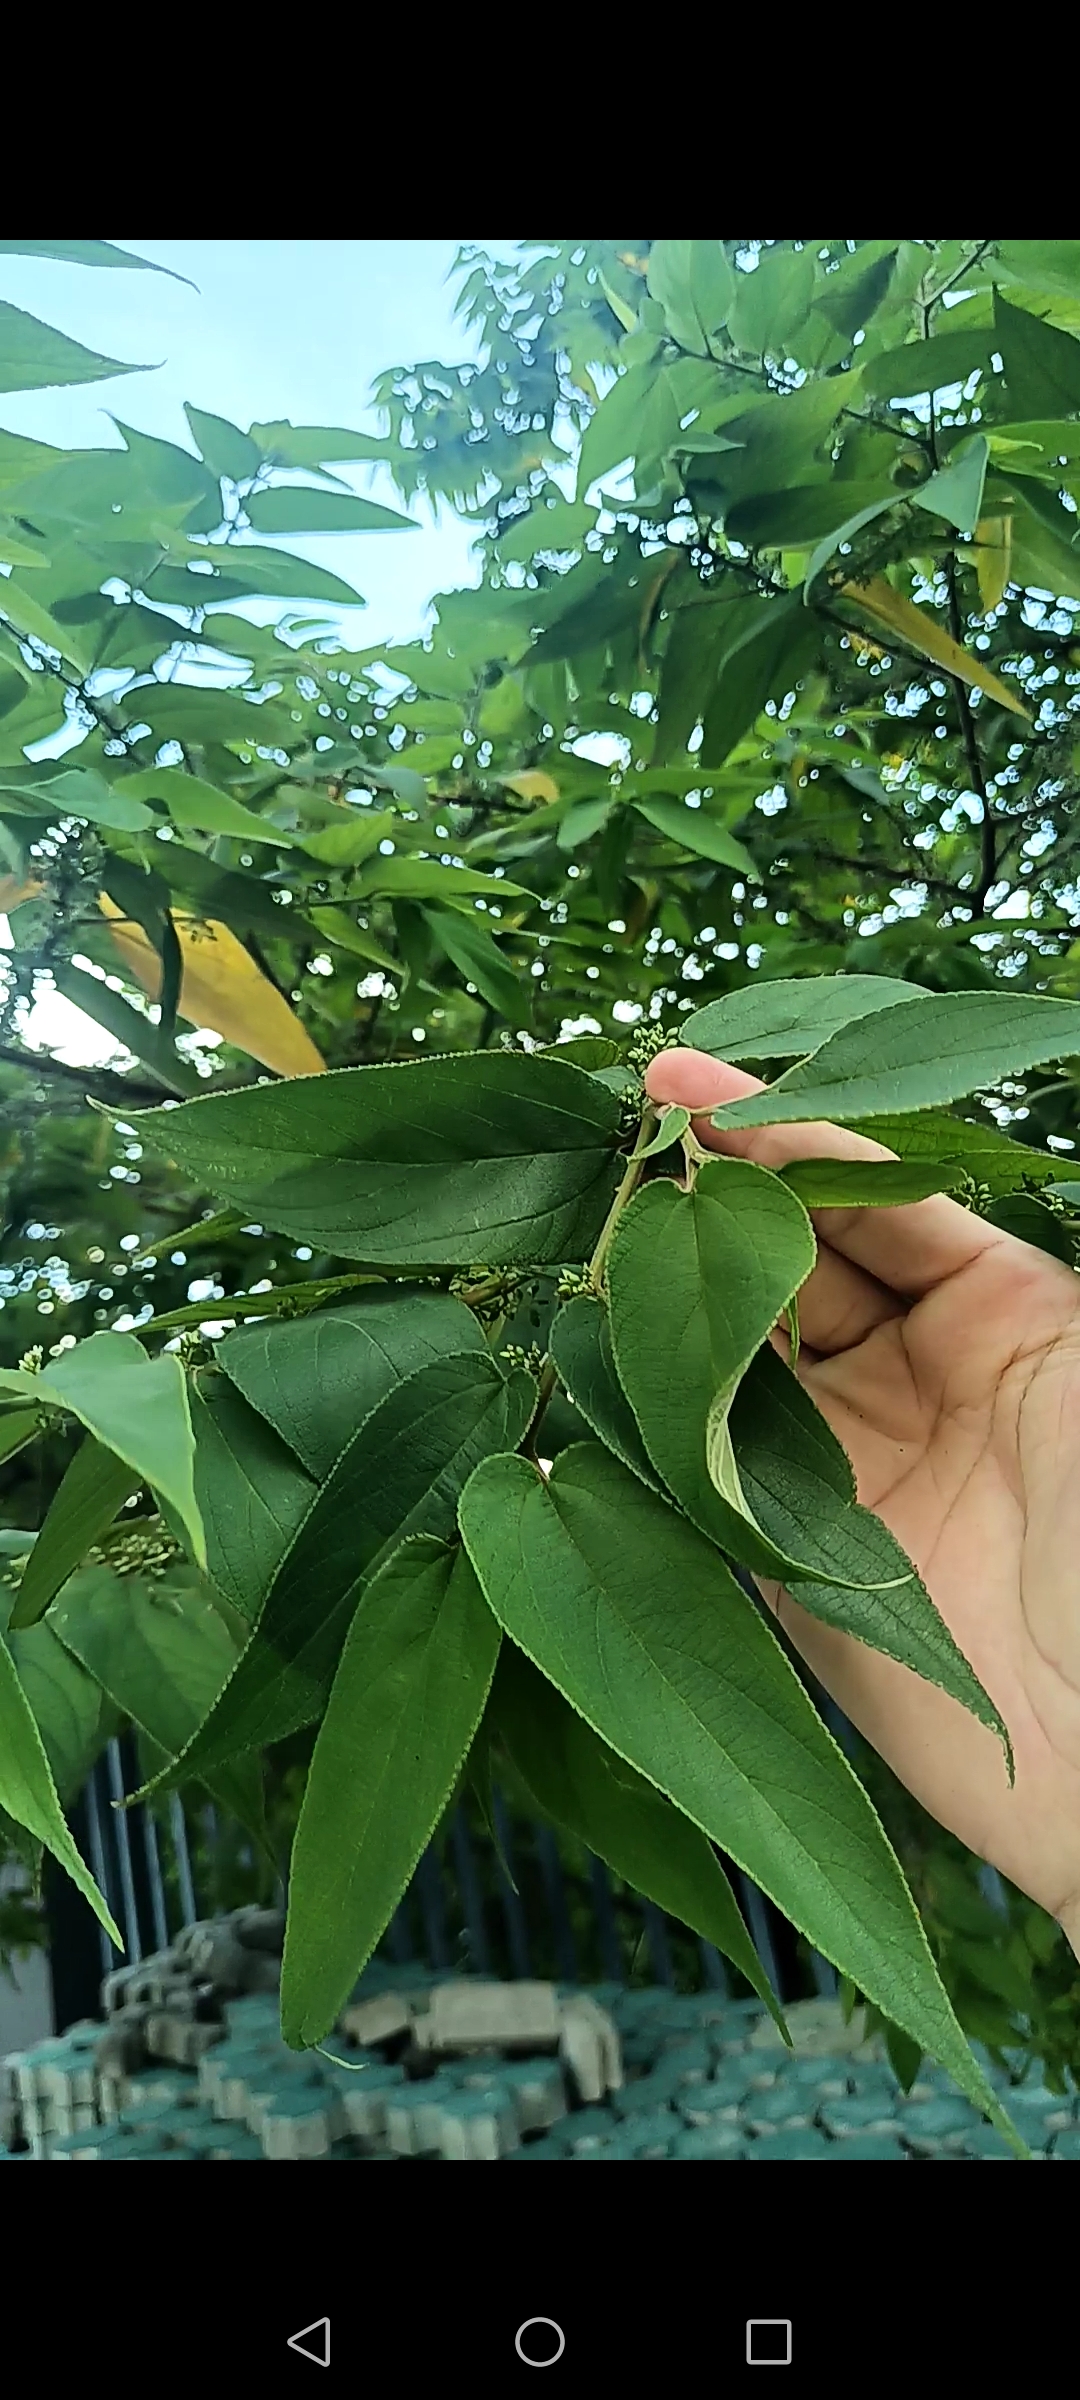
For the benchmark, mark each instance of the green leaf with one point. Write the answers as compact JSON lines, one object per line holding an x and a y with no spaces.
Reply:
{"x":1042,"y":365}
{"x":697,"y":831}
{"x":985,"y":1153}
{"x":634,"y":1618}
{"x":28,"y":1792}
{"x":400,"y":1474}
{"x":694,"y":285}
{"x":16,"y":1430}
{"x":243,"y":570}
{"x":593,"y":1795}
{"x":1029,"y":1220}
{"x":427,"y":879}
{"x":92,"y":254}
{"x":353,"y":840}
{"x":672,"y":1126}
{"x":798,"y":1483}
{"x":764,"y":666}
{"x":252,"y":1492}
{"x":697,"y":641}
{"x":135,"y":1406}
{"x":73,"y":1716}
{"x":88,"y":1498}
{"x":697,"y":1281}
{"x":405,"y":1703}
{"x":161,"y":1651}
{"x":772,"y":302}
{"x":82,"y":792}
{"x":806,"y":514}
{"x":285,"y":445}
{"x":316,"y":1379}
{"x":867,"y":1182}
{"x":580,"y":1345}
{"x":226,"y":450}
{"x":930,"y":1050}
{"x":458,"y":1161}
{"x":614,"y":430}
{"x":292,"y":508}
{"x":930,"y":366}
{"x":956,"y":491}
{"x":35,"y":357}
{"x":473,"y":950}
{"x":337,"y":926}
{"x":193,"y":803}
{"x":126,"y":1024}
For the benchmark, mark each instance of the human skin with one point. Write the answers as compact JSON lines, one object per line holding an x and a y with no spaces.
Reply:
{"x":945,"y":1355}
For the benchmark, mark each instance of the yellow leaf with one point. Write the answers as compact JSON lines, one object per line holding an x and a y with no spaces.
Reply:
{"x":221,"y":988}
{"x":993,"y":559}
{"x":863,"y":647}
{"x":532,"y":785}
{"x":13,"y":892}
{"x":913,"y":627}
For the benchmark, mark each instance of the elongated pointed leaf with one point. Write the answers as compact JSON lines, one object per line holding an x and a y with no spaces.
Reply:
{"x":594,"y":1795}
{"x":580,"y":1344}
{"x":292,"y":508}
{"x":476,"y":1160}
{"x":956,"y":491}
{"x":867,"y":1183}
{"x":1042,"y":364}
{"x":929,"y":1051}
{"x":798,"y":1483}
{"x":92,"y":1491}
{"x":699,"y":832}
{"x":918,"y":631}
{"x":35,"y":357}
{"x":16,"y":1430}
{"x":252,"y":1493}
{"x":634,"y":1618}
{"x":790,"y":1017}
{"x":763,"y":667}
{"x":74,"y":1717}
{"x":28,"y":1793}
{"x":471,"y":947}
{"x":406,"y":1700}
{"x":162,"y":1652}
{"x":191,"y":802}
{"x":988,"y":1155}
{"x":134,"y":1405}
{"x":400,"y":1475}
{"x":316,"y":1379}
{"x":697,"y":1280}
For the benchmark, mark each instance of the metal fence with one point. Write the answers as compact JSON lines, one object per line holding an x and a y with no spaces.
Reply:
{"x":506,"y":1897}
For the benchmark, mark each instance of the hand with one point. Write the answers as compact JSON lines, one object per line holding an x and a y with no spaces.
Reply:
{"x":945,"y":1355}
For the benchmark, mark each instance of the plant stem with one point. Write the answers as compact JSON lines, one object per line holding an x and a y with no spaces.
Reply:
{"x":628,"y":1186}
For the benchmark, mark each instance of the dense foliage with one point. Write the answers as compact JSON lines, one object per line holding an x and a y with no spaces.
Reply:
{"x":770,"y":673}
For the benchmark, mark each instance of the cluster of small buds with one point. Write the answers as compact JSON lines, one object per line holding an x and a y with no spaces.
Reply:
{"x":30,"y":1362}
{"x":490,"y":1292}
{"x":973,"y":1195}
{"x":646,"y":1044}
{"x":192,"y":1350}
{"x":532,"y":1360}
{"x":146,"y":1548}
{"x":574,"y":1284}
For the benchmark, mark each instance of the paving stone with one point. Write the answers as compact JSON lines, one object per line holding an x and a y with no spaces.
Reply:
{"x":780,"y":2109}
{"x":869,"y":2145}
{"x":367,"y":2097}
{"x":984,"y":2141}
{"x":709,"y":2141}
{"x":479,"y":2125}
{"x":852,"y":2116}
{"x":652,"y":2133}
{"x":805,"y":2144}
{"x":710,"y":2103}
{"x":1067,"y":2144}
{"x":931,"y":2125}
{"x":295,"y":2125}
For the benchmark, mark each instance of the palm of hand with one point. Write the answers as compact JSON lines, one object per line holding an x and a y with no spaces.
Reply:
{"x":962,"y":1422}
{"x":946,"y":1357}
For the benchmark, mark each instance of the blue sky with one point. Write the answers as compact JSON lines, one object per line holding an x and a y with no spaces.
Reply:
{"x":272,"y":329}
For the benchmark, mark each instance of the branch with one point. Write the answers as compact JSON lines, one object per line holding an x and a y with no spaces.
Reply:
{"x":988,"y":868}
{"x":96,"y":1082}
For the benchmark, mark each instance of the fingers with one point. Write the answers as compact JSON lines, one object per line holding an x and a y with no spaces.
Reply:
{"x":839,"y":1304}
{"x":907,"y":1250}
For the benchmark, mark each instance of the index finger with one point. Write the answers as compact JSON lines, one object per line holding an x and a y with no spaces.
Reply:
{"x":909,"y":1248}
